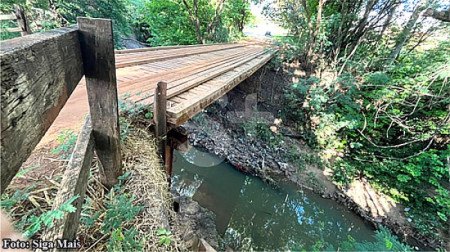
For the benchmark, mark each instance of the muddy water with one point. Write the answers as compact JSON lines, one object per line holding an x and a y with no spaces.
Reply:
{"x":251,"y":212}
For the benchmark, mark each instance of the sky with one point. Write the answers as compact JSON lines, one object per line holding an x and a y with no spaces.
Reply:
{"x":263,"y":24}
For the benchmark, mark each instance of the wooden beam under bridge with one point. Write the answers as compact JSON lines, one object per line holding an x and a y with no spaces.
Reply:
{"x":167,"y":140}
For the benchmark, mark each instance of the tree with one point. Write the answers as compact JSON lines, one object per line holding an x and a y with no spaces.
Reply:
{"x":211,"y":23}
{"x":405,"y":34}
{"x":194,"y":21}
{"x":239,"y":13}
{"x":313,"y":32}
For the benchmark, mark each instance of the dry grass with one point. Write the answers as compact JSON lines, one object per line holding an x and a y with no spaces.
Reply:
{"x":149,"y":187}
{"x":147,"y":184}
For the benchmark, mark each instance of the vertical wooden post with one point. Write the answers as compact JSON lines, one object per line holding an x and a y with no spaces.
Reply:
{"x":22,"y":20}
{"x":169,"y":161}
{"x":159,"y":116}
{"x":97,"y":48}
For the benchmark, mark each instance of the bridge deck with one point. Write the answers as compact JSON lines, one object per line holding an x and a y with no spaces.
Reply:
{"x":196,"y":76}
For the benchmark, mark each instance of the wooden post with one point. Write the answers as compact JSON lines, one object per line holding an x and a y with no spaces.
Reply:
{"x":159,"y":117}
{"x":22,"y":20}
{"x":74,"y":182}
{"x":175,"y":138}
{"x":169,"y":161}
{"x":97,"y":48}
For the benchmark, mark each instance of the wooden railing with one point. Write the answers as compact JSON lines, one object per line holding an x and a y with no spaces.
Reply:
{"x":39,"y":72}
{"x":21,"y":18}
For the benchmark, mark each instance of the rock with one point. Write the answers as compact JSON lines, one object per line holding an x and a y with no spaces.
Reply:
{"x":197,"y":222}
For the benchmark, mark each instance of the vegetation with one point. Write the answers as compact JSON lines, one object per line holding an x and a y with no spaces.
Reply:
{"x":116,"y":217}
{"x":384,"y":241}
{"x":374,"y":98}
{"x":258,"y":129}
{"x":142,"y":21}
{"x":66,"y":143}
{"x":34,"y":220}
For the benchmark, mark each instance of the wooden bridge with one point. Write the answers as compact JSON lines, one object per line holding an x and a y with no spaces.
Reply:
{"x":40,"y":72}
{"x":196,"y":76}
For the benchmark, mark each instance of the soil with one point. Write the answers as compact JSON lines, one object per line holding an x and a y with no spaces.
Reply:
{"x":43,"y":169}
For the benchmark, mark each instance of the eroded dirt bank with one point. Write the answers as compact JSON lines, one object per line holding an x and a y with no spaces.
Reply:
{"x":219,"y":130}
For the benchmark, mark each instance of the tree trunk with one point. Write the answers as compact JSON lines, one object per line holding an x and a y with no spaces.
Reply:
{"x":215,"y":20}
{"x":313,"y":35}
{"x":404,"y":35}
{"x":195,"y":20}
{"x":389,"y":19}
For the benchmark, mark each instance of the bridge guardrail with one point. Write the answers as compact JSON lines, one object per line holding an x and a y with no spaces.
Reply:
{"x":39,"y":72}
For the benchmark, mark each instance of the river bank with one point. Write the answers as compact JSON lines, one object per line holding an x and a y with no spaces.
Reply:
{"x":221,"y":133}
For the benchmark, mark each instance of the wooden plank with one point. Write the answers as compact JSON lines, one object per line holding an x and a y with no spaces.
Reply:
{"x":182,"y":85}
{"x":143,"y":59}
{"x":159,"y":116}
{"x":97,"y":47}
{"x":73,"y":183}
{"x":16,"y":29}
{"x":177,"y":77}
{"x":158,"y":48}
{"x":38,"y":74}
{"x":7,"y":17}
{"x":204,"y":246}
{"x":180,"y":73}
{"x":180,"y":51}
{"x":184,"y":111}
{"x":177,"y":99}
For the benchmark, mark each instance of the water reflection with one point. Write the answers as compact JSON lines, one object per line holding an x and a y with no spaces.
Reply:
{"x":251,"y":213}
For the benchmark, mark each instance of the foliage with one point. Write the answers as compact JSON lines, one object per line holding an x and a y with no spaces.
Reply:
{"x":113,"y":9}
{"x":29,"y":220}
{"x":258,"y":129}
{"x":169,"y":22}
{"x":4,"y":33}
{"x":384,"y":241}
{"x":8,"y":202}
{"x":125,"y":128}
{"x":132,"y":109}
{"x":301,"y":159}
{"x":66,"y":143}
{"x":129,"y":111}
{"x":164,"y":237}
{"x":119,"y":211}
{"x":46,"y":219}
{"x":46,"y":15}
{"x":388,"y":126}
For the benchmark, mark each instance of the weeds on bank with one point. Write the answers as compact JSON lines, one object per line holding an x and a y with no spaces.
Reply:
{"x":164,"y":237}
{"x":132,"y":109}
{"x":114,"y":217}
{"x":66,"y":143}
{"x":301,"y":159}
{"x":34,"y":219}
{"x":47,"y":218}
{"x":257,"y":129}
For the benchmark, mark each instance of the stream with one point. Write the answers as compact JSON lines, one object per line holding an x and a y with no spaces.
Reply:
{"x":254,"y":213}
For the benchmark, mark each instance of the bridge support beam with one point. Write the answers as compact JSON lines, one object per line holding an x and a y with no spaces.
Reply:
{"x":160,"y":118}
{"x":176,"y":138}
